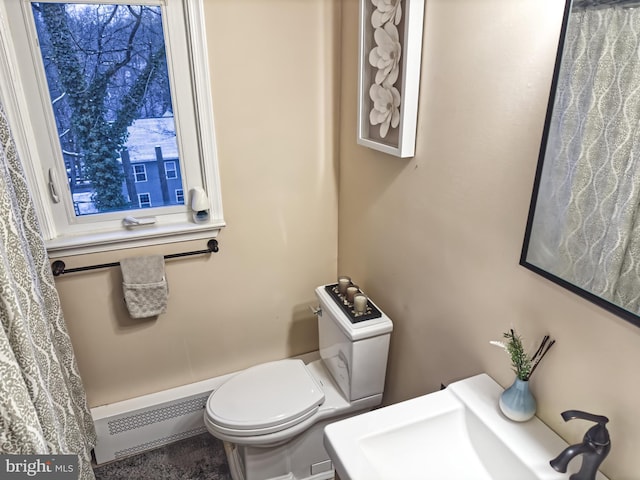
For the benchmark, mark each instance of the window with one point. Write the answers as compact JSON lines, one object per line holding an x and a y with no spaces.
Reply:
{"x":170,"y":170}
{"x":144,"y":200}
{"x":140,"y":173}
{"x":106,"y":81}
{"x":179,"y":196}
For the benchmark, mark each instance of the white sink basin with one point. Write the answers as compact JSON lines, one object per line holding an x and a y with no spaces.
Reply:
{"x":457,"y":433}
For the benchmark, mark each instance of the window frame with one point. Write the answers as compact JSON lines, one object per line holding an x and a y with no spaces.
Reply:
{"x":143,"y":173}
{"x":140,"y":202}
{"x":95,"y":236}
{"x":173,"y":170}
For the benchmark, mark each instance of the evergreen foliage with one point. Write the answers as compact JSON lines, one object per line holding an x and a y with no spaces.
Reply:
{"x":522,"y":364}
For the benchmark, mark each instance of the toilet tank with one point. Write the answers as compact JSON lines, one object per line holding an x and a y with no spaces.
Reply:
{"x":354,"y":353}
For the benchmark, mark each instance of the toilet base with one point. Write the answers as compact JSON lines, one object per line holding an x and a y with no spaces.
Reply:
{"x":302,"y":458}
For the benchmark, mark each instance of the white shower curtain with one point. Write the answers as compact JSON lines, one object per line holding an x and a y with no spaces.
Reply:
{"x":590,"y":186}
{"x":43,"y":408}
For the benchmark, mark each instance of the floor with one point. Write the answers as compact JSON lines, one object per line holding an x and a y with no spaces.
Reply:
{"x":197,"y":458}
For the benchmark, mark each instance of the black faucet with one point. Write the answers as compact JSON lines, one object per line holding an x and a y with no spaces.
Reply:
{"x":594,"y":447}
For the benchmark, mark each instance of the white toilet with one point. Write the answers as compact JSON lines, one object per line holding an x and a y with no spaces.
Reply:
{"x":272,"y":416}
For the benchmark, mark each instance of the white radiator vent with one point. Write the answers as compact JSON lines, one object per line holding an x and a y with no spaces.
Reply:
{"x":156,"y":415}
{"x":144,"y":423}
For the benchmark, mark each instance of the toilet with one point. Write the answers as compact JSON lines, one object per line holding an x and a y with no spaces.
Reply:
{"x":271,"y":416}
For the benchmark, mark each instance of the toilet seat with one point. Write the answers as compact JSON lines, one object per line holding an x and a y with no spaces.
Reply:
{"x":264,"y":399}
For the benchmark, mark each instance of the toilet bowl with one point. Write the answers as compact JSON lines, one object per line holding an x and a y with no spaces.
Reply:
{"x":271,"y":416}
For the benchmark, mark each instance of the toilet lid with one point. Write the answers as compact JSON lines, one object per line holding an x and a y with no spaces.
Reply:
{"x":267,"y":395}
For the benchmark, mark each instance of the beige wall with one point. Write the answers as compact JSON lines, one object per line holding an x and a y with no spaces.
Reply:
{"x":436,"y":239}
{"x":275,"y":90}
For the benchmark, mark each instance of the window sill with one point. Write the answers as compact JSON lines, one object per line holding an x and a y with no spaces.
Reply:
{"x":68,"y":245}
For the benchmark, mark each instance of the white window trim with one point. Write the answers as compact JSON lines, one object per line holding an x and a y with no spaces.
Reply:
{"x":178,"y":195}
{"x":140,"y":201}
{"x":173,"y":170}
{"x":14,"y":97}
{"x":136,"y":173}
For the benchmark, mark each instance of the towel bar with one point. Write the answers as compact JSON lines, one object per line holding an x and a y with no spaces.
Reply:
{"x":58,"y":267}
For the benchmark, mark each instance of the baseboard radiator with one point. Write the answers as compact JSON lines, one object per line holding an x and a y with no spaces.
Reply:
{"x":143,"y":423}
{"x":139,"y":424}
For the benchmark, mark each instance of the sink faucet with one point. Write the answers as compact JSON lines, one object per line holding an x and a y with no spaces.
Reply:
{"x":594,"y":447}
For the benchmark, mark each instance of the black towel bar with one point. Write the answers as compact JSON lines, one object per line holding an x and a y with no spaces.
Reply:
{"x":58,"y":267}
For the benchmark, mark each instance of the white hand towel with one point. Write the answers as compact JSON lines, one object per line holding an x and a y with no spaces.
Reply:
{"x":144,"y":285}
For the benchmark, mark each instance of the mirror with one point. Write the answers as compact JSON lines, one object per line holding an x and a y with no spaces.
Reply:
{"x":583,"y":230}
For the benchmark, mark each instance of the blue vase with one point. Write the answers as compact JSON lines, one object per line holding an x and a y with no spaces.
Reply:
{"x":517,"y":402}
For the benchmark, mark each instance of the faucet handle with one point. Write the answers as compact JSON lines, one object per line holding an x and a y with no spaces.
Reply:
{"x":571,"y":414}
{"x":598,"y":434}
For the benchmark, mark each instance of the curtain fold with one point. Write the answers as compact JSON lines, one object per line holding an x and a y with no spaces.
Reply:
{"x":589,"y":190}
{"x":43,"y":407}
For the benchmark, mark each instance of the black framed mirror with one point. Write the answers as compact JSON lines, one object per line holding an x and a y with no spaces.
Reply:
{"x":583,"y":228}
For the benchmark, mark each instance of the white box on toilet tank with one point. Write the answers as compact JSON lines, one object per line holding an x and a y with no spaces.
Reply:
{"x":354,"y":353}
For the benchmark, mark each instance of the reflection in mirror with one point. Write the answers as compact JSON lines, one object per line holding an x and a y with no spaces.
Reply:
{"x":583,"y":230}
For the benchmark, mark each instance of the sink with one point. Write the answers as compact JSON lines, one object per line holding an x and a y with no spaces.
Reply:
{"x":456,"y":433}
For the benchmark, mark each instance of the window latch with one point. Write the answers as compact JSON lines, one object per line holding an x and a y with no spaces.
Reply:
{"x":138,"y":222}
{"x":53,"y":180}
